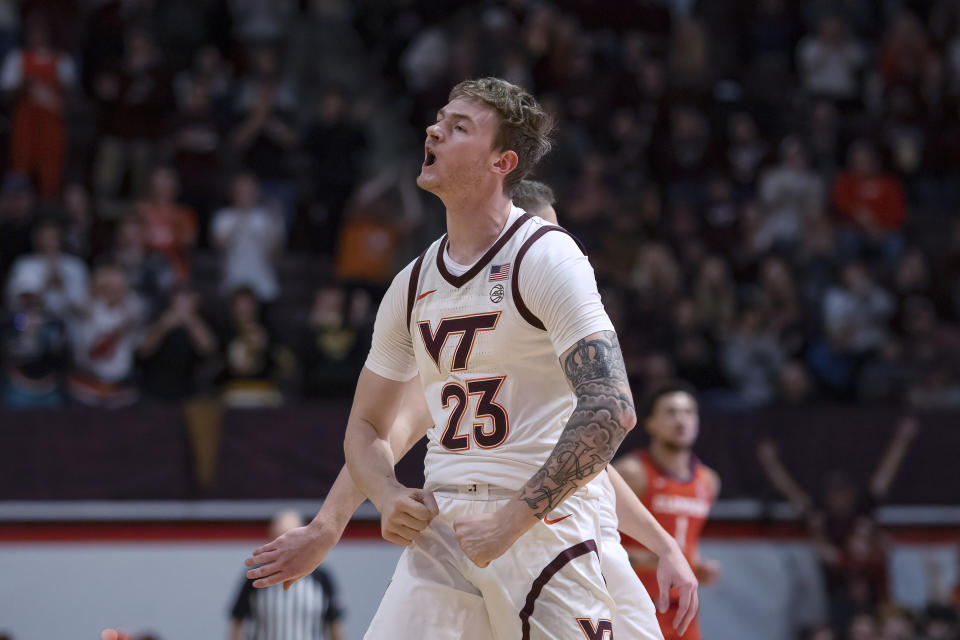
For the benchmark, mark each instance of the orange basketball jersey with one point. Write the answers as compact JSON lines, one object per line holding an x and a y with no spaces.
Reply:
{"x":681,"y":506}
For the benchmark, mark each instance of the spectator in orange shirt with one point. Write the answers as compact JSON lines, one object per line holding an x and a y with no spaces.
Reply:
{"x":871,"y":202}
{"x":38,"y":79}
{"x":383,"y":211}
{"x":169,"y":228}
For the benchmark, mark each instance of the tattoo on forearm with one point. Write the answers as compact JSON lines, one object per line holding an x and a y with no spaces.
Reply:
{"x":599,"y":423}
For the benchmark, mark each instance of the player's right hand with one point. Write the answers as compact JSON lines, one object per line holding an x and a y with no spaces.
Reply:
{"x":293,"y":555}
{"x":674,"y":572}
{"x":405,"y":514}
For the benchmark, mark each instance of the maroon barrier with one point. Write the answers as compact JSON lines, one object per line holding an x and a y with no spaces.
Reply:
{"x":79,"y":453}
{"x":295,"y":452}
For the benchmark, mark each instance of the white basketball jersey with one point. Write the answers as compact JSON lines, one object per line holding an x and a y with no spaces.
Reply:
{"x":489,"y":368}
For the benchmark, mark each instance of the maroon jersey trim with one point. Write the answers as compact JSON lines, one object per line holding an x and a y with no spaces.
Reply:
{"x":563,"y":558}
{"x":459,"y":281}
{"x":414,"y":284}
{"x":515,"y":279}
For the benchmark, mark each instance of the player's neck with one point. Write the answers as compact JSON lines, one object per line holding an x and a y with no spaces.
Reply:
{"x":674,"y":461}
{"x":473,"y":225}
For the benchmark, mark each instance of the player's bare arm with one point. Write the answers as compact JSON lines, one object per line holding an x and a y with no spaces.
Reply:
{"x":769,"y":456}
{"x":631,"y":471}
{"x":604,"y":414}
{"x":404,"y":512}
{"x":892,"y":460}
{"x":298,"y":552}
{"x":673,"y":570}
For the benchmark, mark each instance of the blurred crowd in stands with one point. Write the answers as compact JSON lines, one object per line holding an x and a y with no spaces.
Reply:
{"x":209,"y":196}
{"x":202,"y":195}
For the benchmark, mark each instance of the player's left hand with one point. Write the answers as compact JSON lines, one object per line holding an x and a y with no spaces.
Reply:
{"x":482,"y":538}
{"x":674,"y":572}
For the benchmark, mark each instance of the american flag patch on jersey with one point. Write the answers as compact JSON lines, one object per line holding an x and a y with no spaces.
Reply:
{"x":499,"y":272}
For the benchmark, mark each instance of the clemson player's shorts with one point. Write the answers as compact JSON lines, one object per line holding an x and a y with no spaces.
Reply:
{"x":548,"y":586}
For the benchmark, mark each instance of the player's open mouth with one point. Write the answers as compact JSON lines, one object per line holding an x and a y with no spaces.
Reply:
{"x":429,"y":159}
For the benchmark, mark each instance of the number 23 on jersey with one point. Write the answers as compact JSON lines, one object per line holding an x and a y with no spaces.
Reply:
{"x":455,"y":395}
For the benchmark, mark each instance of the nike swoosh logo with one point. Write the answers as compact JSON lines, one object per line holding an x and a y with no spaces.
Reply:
{"x":424,"y":295}
{"x":549,"y":521}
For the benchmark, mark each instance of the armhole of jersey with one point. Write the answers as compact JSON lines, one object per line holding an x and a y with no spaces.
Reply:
{"x":412,"y":287}
{"x":515,"y":278}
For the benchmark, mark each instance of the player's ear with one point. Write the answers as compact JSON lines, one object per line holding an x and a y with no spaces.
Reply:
{"x":506,"y":162}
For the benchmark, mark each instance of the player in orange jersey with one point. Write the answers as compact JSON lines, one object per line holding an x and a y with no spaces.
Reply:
{"x":675,"y":486}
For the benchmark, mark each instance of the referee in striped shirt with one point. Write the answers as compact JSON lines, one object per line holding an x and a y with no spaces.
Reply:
{"x":309,"y":610}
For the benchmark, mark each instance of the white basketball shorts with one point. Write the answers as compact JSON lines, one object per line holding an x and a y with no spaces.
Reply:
{"x":635,"y":613}
{"x":548,"y":586}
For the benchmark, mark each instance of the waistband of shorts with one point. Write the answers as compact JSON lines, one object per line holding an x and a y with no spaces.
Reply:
{"x":485,"y":491}
{"x":474,"y":491}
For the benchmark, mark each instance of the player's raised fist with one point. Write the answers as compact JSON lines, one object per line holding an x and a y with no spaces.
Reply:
{"x":405,"y":514}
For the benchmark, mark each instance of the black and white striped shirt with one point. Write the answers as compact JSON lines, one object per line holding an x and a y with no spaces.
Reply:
{"x":301,"y":613}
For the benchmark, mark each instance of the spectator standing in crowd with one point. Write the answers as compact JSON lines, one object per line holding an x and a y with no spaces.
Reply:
{"x":850,"y":547}
{"x":105,"y":333}
{"x":871,"y":203}
{"x":336,"y":146}
{"x":249,"y":236}
{"x":790,"y":196}
{"x":169,"y":228}
{"x":149,"y":274}
{"x":135,"y":99}
{"x":265,"y":135}
{"x":174,"y":347}
{"x":777,"y":300}
{"x":38,"y":79}
{"x":309,"y":610}
{"x":933,"y":356}
{"x":337,"y":339}
{"x":195,"y":144}
{"x":375,"y":226}
{"x":64,"y":277}
{"x":745,"y":154}
{"x":33,"y":347}
{"x":17,"y":215}
{"x":751,"y":357}
{"x":248,"y":353}
{"x":856,"y":315}
{"x":831,"y":61}
{"x":855,"y":320}
{"x":715,"y":297}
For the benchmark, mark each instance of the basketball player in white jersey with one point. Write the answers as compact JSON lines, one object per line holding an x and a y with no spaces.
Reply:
{"x":297,"y":554}
{"x":502,"y":537}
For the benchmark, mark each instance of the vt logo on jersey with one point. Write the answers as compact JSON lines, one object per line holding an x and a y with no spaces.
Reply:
{"x":600,"y":632}
{"x":464,"y":326}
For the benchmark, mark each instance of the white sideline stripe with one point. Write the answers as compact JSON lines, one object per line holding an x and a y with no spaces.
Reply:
{"x":259,"y":510}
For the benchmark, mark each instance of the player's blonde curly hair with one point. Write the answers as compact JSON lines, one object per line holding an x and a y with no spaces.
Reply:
{"x":525,"y":127}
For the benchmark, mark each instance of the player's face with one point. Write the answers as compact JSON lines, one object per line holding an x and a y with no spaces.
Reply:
{"x":458,"y":153}
{"x":675,"y":420}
